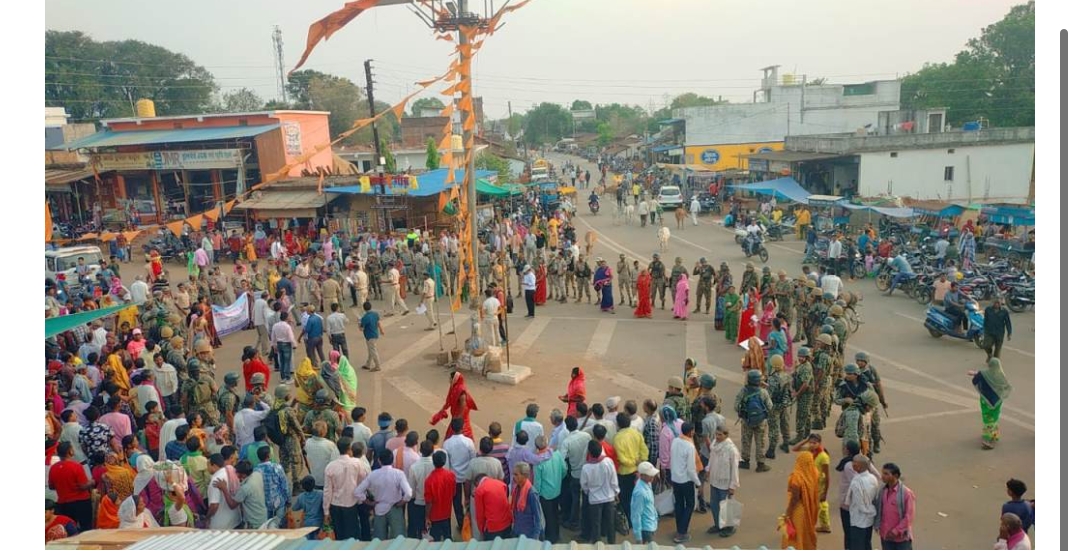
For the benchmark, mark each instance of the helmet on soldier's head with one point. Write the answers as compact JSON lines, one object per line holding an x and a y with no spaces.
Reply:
{"x":753,"y":377}
{"x":776,"y":362}
{"x":766,"y":269}
{"x":826,"y":329}
{"x":203,"y":346}
{"x":258,"y":379}
{"x":281,"y":392}
{"x":823,"y":339}
{"x":862,"y":357}
{"x":836,"y":311}
{"x":166,"y":332}
{"x":232,"y":378}
{"x":817,"y":292}
{"x":708,"y":381}
{"x":804,"y":352}
{"x":851,"y":369}
{"x":829,"y":320}
{"x":194,"y":365}
{"x":829,"y":296}
{"x":177,"y":342}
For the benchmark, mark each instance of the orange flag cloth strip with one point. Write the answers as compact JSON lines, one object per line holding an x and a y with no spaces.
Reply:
{"x":324,"y":28}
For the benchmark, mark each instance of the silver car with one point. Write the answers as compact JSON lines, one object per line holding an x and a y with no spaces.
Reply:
{"x":670,"y":197}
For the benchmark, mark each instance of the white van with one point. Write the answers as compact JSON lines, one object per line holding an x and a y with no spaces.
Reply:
{"x":64,"y":260}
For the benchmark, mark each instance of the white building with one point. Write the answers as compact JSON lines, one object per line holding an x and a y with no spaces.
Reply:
{"x":994,"y":165}
{"x":788,"y":106}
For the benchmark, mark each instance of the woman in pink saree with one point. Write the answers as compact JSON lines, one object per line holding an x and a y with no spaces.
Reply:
{"x":682,"y":298}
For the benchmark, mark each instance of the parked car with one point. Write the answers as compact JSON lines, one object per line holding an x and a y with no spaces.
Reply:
{"x":670,"y":197}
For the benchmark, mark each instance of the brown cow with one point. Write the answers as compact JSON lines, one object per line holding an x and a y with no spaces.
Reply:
{"x":680,"y":217}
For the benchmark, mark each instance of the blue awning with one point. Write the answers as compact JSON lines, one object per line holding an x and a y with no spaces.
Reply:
{"x":663,"y":148}
{"x":111,"y":138}
{"x":428,"y":184}
{"x":786,"y":188}
{"x":669,"y":121}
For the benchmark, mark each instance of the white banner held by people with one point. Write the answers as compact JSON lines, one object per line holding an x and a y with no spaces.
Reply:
{"x":232,"y":318}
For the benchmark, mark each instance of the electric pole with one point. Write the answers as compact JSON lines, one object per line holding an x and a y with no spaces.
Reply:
{"x":379,"y":168}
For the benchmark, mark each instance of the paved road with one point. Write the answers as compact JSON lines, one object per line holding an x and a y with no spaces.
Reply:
{"x":932,"y":432}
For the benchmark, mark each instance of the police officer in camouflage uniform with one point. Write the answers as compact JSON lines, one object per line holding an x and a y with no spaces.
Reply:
{"x":374,"y":270}
{"x":804,"y":386}
{"x":784,"y":292}
{"x":753,"y":432}
{"x":408,"y":261}
{"x":174,"y":356}
{"x":766,"y":285}
{"x":421,"y":267}
{"x":440,"y":259}
{"x":815,"y":314}
{"x":198,"y":394}
{"x":704,"y":284}
{"x":674,"y":397}
{"x":627,"y":279}
{"x":557,"y":269}
{"x":324,"y":411}
{"x":822,"y":378}
{"x":291,"y":450}
{"x":749,"y":279}
{"x":840,"y":326}
{"x":583,"y":276}
{"x":676,"y":272}
{"x":659,"y":280}
{"x":483,"y":265}
{"x":228,"y":400}
{"x":780,"y":392}
{"x":870,"y":375}
{"x":801,"y":303}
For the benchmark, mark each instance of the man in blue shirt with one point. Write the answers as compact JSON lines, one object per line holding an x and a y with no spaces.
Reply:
{"x":312,"y":334}
{"x":903,"y":272}
{"x":372,"y":328}
{"x":643,"y":517}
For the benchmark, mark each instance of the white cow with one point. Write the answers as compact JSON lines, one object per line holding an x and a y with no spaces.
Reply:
{"x":664,"y":234}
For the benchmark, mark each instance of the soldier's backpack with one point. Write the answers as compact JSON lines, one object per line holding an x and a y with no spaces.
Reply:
{"x":754,"y":411}
{"x":272,"y":424}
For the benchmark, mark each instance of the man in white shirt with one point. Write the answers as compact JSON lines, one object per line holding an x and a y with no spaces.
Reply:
{"x":428,"y":300}
{"x":831,"y":283}
{"x":558,"y":432}
{"x":835,"y":250}
{"x":168,"y":430}
{"x":361,"y":432}
{"x":940,"y":249}
{"x":636,"y":422}
{"x":695,"y":208}
{"x":860,"y":500}
{"x":335,"y":326}
{"x":489,"y":313}
{"x":601,"y":484}
{"x":391,"y":492}
{"x":723,"y":470}
{"x":342,"y":476}
{"x":530,"y":425}
{"x":259,"y":312}
{"x":320,"y":452}
{"x":847,"y":474}
{"x":684,"y":478}
{"x":251,"y":414}
{"x":460,"y":450}
{"x":394,"y":279}
{"x":528,"y":282}
{"x":140,"y":290}
{"x":612,"y":406}
{"x":417,"y":477}
{"x":222,"y":517}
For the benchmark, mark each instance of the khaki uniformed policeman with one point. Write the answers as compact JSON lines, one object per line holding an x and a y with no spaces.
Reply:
{"x":804,"y":386}
{"x":704,"y":284}
{"x":749,"y":279}
{"x":753,"y":425}
{"x":228,"y":401}
{"x":627,"y":278}
{"x":870,"y":374}
{"x":659,"y":281}
{"x":780,"y":391}
{"x":199,"y":392}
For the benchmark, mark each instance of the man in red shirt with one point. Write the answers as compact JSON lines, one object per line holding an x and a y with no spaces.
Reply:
{"x":492,"y":508}
{"x":72,"y":486}
{"x":600,"y":435}
{"x":438,"y":495}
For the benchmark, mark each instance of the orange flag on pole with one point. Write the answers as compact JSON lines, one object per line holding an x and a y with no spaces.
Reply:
{"x":324,"y":28}
{"x":177,"y":228}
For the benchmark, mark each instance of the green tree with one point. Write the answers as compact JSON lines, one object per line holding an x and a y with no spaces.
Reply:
{"x":606,"y":135}
{"x":546,"y":123}
{"x":488,"y":161}
{"x":581,"y":105}
{"x":690,"y":99}
{"x":515,"y":123}
{"x":96,"y":80}
{"x":243,"y":100}
{"x":433,"y":160}
{"x":426,"y":103}
{"x":391,"y":161}
{"x":993,"y":78}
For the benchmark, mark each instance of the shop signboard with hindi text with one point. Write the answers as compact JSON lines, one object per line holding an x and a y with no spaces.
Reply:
{"x":293,"y":144}
{"x":199,"y":159}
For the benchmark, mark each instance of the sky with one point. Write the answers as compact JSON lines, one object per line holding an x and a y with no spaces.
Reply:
{"x":605,"y":51}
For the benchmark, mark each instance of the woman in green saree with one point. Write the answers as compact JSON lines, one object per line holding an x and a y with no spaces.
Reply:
{"x":732,"y":308}
{"x":993,"y":389}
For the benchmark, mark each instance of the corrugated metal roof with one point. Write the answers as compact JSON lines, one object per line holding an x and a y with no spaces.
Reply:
{"x":286,"y":200}
{"x":212,"y":539}
{"x":61,"y":176}
{"x":109,"y":138}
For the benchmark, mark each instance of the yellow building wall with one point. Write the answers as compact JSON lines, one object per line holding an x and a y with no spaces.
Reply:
{"x":723,"y":157}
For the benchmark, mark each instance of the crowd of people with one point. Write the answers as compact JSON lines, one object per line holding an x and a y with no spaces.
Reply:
{"x":139,"y":433}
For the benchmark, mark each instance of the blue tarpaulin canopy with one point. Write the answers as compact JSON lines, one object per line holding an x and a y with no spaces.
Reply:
{"x":110,"y":138}
{"x":1016,"y":216}
{"x":786,"y":188}
{"x":428,"y":184}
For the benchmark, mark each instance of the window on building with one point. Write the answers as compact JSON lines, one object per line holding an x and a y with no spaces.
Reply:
{"x":951,"y":151}
{"x":894,"y":154}
{"x":865,"y":89}
{"x":948,"y":174}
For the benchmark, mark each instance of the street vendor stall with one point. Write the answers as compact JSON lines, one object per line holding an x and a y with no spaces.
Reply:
{"x":935,"y":218}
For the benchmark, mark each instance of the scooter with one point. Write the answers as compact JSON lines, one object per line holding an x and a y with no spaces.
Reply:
{"x":754,"y":246}
{"x":594,"y":207}
{"x":938,"y":323}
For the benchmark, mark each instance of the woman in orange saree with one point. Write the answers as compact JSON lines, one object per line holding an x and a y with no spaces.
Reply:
{"x":801,"y":514}
{"x":644,"y":307}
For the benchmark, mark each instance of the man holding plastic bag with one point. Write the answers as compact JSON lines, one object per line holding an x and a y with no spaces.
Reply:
{"x":723,"y":469}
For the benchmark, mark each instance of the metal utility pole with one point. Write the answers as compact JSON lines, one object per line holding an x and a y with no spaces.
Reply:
{"x":379,"y":168}
{"x":279,"y":51}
